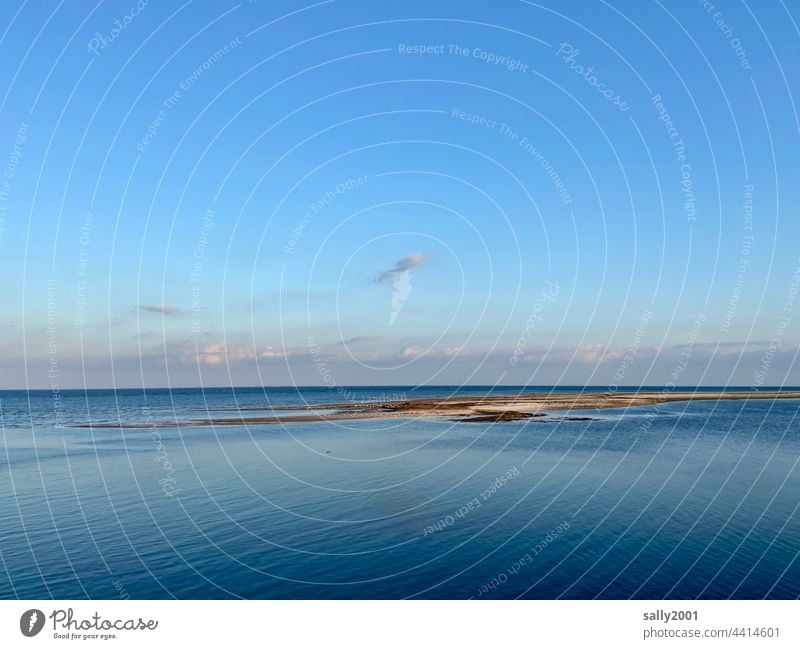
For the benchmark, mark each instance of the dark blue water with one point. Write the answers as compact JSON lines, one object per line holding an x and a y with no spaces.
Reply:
{"x":681,"y":500}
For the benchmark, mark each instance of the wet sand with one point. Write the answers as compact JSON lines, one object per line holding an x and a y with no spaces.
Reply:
{"x":493,"y":408}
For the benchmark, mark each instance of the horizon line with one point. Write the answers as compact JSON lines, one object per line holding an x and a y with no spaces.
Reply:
{"x":412,"y":386}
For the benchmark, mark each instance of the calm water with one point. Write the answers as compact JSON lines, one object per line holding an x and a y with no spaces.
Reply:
{"x":681,"y":501}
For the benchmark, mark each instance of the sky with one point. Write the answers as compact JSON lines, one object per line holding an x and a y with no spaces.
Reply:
{"x":399,"y":193}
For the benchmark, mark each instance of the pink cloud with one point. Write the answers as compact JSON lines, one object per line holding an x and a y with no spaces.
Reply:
{"x":412,"y":351}
{"x":218,"y":353}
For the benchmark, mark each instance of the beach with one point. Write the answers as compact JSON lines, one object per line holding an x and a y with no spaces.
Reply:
{"x":473,"y":408}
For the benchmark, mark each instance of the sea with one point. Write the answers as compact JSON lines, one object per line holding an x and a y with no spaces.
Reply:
{"x":681,"y":500}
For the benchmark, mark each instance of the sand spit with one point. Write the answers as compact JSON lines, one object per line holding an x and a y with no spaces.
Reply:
{"x":493,"y":408}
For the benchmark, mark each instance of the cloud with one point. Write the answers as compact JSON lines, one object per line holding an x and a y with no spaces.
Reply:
{"x":412,"y":351}
{"x":452,"y":351}
{"x":726,"y":348}
{"x":596,"y":354}
{"x":218,"y":353}
{"x":593,"y":354}
{"x":166,"y":309}
{"x":407,"y":263}
{"x":357,"y":339}
{"x":271,"y":352}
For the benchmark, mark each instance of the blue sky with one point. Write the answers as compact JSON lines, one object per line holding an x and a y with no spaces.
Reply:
{"x":398,"y":193}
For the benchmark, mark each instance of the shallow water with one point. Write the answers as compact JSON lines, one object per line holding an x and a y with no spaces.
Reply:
{"x":681,"y":500}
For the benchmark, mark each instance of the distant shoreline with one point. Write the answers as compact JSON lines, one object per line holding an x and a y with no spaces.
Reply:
{"x":465,"y":408}
{"x":603,"y":387}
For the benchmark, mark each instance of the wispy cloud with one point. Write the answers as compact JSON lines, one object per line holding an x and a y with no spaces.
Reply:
{"x":592,"y":354}
{"x":407,"y":263}
{"x":399,"y":278}
{"x":412,"y":351}
{"x":355,"y":340}
{"x":415,"y":351}
{"x":217,"y":353}
{"x":452,"y":351}
{"x":166,"y":309}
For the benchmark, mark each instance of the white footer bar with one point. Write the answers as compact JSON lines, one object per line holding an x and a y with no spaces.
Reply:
{"x":389,"y":624}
